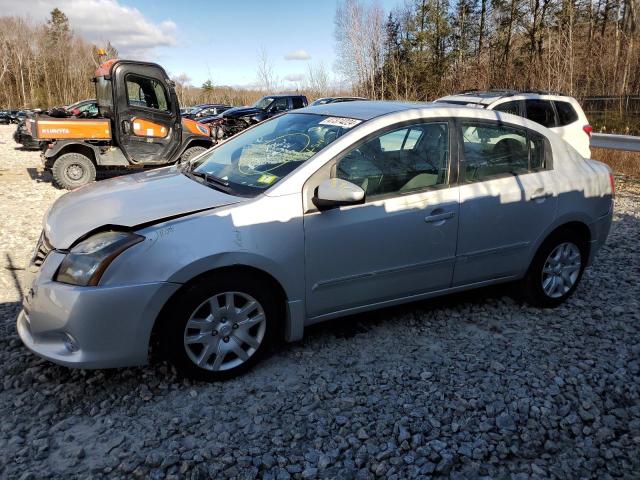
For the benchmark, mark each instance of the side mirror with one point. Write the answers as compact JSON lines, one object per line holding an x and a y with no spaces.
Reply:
{"x":336,"y":192}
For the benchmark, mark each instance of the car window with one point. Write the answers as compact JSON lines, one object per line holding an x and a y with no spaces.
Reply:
{"x":509,"y":107}
{"x":493,"y":150}
{"x":403,"y":139}
{"x":280,"y":104}
{"x":297,"y":102}
{"x":566,"y":113}
{"x":381,"y":171}
{"x":145,"y":92}
{"x":259,"y":158}
{"x":541,"y":111}
{"x":537,"y":157}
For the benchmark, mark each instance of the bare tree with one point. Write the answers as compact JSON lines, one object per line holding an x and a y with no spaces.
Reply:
{"x":264,"y":70}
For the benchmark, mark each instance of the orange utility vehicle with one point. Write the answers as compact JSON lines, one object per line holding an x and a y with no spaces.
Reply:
{"x":138,"y":125}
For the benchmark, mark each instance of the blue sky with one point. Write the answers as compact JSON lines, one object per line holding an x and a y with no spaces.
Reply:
{"x":220,"y":39}
{"x":223,"y":38}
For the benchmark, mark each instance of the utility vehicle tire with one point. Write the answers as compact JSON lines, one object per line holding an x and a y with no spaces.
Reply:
{"x":73,"y":170}
{"x":220,"y":326}
{"x":556,"y":269}
{"x":191,"y":152}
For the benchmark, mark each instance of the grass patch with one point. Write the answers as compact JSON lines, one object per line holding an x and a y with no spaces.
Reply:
{"x":623,"y":163}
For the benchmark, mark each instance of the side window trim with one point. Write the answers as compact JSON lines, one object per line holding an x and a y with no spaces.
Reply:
{"x":452,"y":167}
{"x":150,"y":109}
{"x":548,"y":157}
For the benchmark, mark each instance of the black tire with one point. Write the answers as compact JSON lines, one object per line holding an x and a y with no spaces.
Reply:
{"x":173,"y":322}
{"x":532,"y":283}
{"x":191,"y":152}
{"x":73,"y":170}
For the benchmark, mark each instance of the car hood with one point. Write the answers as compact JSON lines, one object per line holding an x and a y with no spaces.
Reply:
{"x":241,"y":111}
{"x":128,"y":201}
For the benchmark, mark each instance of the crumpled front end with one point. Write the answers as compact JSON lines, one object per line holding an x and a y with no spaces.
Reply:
{"x":87,"y":327}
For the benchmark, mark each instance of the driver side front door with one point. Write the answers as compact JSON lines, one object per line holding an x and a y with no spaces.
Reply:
{"x":401,"y":242}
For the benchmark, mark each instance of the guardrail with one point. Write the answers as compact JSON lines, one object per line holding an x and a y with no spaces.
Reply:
{"x":615,"y":142}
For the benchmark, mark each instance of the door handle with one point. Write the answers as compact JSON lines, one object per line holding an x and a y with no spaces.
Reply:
{"x":439,"y":217}
{"x":540,"y":196}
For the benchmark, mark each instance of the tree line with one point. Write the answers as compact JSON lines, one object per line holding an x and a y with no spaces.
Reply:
{"x":421,"y":50}
{"x":44,"y":65}
{"x":429,"y":48}
{"x":47,"y":65}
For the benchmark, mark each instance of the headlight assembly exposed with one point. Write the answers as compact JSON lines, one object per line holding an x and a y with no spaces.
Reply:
{"x":86,"y":262}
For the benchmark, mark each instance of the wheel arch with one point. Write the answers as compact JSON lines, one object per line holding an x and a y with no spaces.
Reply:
{"x":60,"y":148}
{"x":578,"y":225}
{"x":195,"y":141}
{"x":289,"y":321}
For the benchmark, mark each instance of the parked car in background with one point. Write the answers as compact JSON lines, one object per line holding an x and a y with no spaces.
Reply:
{"x":5,"y":117}
{"x":560,"y":113}
{"x":325,"y":100}
{"x":311,"y":215}
{"x":82,"y":109}
{"x":18,"y":115}
{"x":237,"y":119}
{"x":205,"y":110}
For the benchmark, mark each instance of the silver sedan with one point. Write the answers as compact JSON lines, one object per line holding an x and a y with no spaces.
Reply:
{"x":322,"y":212}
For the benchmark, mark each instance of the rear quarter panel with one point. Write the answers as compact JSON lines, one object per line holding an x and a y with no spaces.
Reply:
{"x":583,"y":189}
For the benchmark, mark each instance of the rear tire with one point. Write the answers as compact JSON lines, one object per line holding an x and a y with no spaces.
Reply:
{"x":556,"y":269}
{"x":191,"y":152}
{"x":73,"y":170}
{"x":198,"y":326}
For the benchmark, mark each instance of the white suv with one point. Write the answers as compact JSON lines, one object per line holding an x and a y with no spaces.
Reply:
{"x":560,"y":113}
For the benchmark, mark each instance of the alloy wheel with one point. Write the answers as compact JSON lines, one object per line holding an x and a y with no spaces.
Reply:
{"x":224,"y":331}
{"x":561,"y":270}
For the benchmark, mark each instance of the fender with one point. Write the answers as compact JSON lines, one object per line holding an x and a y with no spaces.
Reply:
{"x":58,"y":146}
{"x":100,"y":155}
{"x":194,"y":140}
{"x":576,"y":217}
{"x":296,"y":314}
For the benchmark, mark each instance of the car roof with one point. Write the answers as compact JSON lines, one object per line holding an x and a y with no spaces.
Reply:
{"x":485,"y":98}
{"x":205,"y":105}
{"x":278,"y":95}
{"x":365,"y":109}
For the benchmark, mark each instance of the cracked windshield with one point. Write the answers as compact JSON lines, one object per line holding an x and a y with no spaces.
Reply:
{"x":260,"y":157}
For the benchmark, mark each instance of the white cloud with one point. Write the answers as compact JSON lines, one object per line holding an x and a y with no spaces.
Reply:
{"x":299,"y":54}
{"x":99,"y":21}
{"x":294,"y":77}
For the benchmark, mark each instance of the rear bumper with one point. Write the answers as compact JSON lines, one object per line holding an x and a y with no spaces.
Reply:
{"x":90,"y":327}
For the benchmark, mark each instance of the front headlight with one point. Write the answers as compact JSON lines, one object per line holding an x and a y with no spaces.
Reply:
{"x":86,"y":262}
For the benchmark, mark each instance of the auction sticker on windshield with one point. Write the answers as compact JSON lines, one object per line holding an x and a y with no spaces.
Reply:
{"x":340,"y":122}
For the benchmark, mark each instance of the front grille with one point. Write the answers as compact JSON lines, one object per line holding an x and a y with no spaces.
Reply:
{"x":42,"y":250}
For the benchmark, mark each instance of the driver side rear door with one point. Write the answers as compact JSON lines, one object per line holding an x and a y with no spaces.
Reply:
{"x":147,"y":123}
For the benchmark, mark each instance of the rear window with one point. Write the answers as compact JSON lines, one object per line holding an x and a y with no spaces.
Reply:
{"x":566,"y":113}
{"x":297,"y":102}
{"x":509,"y":107}
{"x":541,"y":111}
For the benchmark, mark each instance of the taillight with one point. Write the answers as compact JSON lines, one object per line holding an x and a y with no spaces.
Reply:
{"x":613,"y":185}
{"x":588,"y":129}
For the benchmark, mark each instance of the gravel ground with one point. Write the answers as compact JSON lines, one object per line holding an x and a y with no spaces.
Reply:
{"x":469,"y":386}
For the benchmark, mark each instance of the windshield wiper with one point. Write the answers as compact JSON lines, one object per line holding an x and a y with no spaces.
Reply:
{"x":213,"y":181}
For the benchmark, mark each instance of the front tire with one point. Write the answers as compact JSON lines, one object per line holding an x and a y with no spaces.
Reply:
{"x":192,"y":152}
{"x":219,"y":327}
{"x":556,"y":269}
{"x":73,"y":170}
